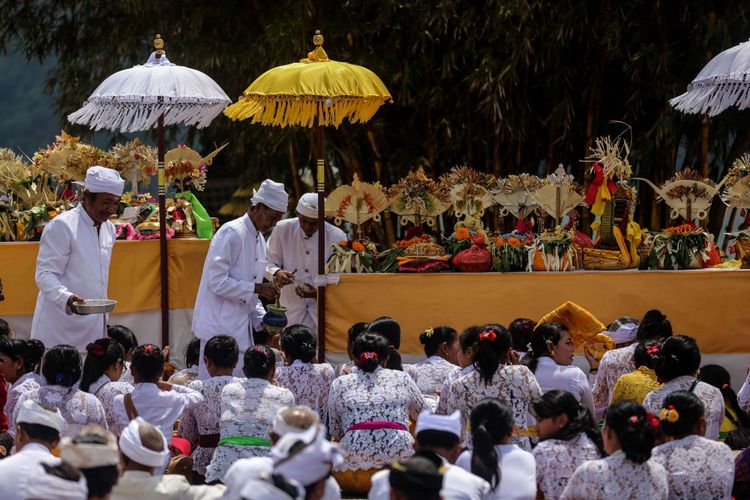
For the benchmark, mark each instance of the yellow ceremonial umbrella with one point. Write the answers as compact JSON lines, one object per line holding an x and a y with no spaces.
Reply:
{"x":314,"y":92}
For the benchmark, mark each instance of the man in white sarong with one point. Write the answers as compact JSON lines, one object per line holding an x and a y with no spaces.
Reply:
{"x":293,"y":258}
{"x":227,"y":301}
{"x":73,"y":263}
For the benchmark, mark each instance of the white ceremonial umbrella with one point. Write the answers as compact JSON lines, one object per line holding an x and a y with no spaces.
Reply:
{"x":154,"y":94}
{"x":724,"y":82}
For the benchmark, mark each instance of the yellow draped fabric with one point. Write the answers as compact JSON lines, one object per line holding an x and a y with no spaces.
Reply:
{"x":354,"y":482}
{"x":300,"y":93}
{"x":635,"y":386}
{"x":634,"y":237}
{"x":602,"y":197}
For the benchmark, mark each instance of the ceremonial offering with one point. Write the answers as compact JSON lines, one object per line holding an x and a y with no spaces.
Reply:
{"x":736,"y":193}
{"x":475,"y":259}
{"x":683,"y":247}
{"x":515,"y":195}
{"x":553,"y":251}
{"x":417,"y":198}
{"x":510,"y":252}
{"x":93,"y":306}
{"x":424,"y":256}
{"x":352,"y":257}
{"x":357,"y":203}
{"x":688,"y":194}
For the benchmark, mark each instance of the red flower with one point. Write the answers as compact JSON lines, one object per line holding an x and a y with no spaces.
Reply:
{"x":487,"y":335}
{"x":366,"y":356}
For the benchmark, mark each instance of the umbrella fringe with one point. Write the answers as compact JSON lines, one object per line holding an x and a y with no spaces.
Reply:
{"x":713,"y":98}
{"x":136,"y":116}
{"x":284,"y":112}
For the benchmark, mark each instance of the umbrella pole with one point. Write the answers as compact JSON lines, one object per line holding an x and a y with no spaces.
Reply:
{"x":163,"y":235}
{"x":320,"y":164}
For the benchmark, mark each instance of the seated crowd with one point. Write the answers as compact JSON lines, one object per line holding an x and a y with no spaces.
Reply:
{"x":490,"y":413}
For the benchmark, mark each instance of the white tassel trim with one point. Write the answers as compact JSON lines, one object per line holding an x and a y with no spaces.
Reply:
{"x":714,"y":95}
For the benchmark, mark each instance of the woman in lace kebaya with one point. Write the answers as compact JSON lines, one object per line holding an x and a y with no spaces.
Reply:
{"x":19,"y":360}
{"x":61,"y":368}
{"x":510,"y":470}
{"x":617,"y":362}
{"x":248,"y":408}
{"x":568,"y":437}
{"x":368,"y":412}
{"x":200,"y":425}
{"x":696,"y":467}
{"x":105,"y":362}
{"x":635,"y":386}
{"x":678,"y":363}
{"x":629,"y":435}
{"x":309,"y":382}
{"x":734,"y":416}
{"x":441,"y":348}
{"x":514,"y":384}
{"x":126,"y":338}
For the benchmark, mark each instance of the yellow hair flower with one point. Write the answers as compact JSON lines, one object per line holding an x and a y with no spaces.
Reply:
{"x":669,"y":414}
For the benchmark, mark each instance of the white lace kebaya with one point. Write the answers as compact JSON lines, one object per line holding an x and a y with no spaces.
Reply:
{"x":106,"y":390}
{"x":710,"y":395}
{"x":374,"y":399}
{"x":430,"y":375}
{"x":310,"y":383}
{"x":697,"y":467}
{"x":248,"y":407}
{"x":557,"y":460}
{"x":617,"y":477}
{"x":79,"y":408}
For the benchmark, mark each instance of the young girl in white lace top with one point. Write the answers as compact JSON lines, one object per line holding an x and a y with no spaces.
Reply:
{"x":441,"y":347}
{"x":61,"y":368}
{"x":200,"y":425}
{"x":105,"y":361}
{"x":629,"y":435}
{"x":514,"y":384}
{"x":19,"y":359}
{"x":248,"y":408}
{"x":696,"y":467}
{"x":510,"y":470}
{"x":369,"y":413}
{"x":568,"y":437}
{"x":126,"y":338}
{"x":309,"y":382}
{"x":678,"y":363}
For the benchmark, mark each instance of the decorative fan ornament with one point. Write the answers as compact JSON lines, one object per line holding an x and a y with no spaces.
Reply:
{"x":135,"y":160}
{"x":736,"y":192}
{"x":417,"y":198}
{"x":186,"y":167}
{"x":356,"y":203}
{"x":468,"y":191}
{"x":559,"y":194}
{"x":688,"y":194}
{"x":515,"y":194}
{"x":68,"y":159}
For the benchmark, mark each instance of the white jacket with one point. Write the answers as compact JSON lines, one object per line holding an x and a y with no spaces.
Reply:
{"x":226,"y":303}
{"x":289,"y":249}
{"x":72,"y":259}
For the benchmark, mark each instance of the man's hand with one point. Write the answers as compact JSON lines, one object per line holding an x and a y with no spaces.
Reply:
{"x":306,"y":291}
{"x":164,"y":386}
{"x":282,"y":277}
{"x":74,"y":299}
{"x":267,"y":290}
{"x":591,"y":358}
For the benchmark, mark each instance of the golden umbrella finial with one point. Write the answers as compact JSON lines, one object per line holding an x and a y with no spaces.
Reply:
{"x":318,"y":54}
{"x":159,"y":46}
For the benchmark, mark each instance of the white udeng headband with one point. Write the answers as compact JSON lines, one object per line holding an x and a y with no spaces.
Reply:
{"x":131,"y":446}
{"x":88,"y":455}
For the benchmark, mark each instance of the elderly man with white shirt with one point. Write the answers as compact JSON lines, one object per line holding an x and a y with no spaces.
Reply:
{"x":39,"y":429}
{"x":232,"y":280}
{"x":73,"y":263}
{"x":293,"y":258}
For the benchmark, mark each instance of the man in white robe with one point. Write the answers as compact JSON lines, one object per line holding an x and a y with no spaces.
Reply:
{"x":39,"y":429}
{"x":293,"y":258}
{"x":232,"y":280}
{"x":73,"y":263}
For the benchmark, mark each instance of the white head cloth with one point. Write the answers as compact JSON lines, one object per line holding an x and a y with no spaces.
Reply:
{"x":131,"y":446}
{"x":103,"y":180}
{"x":272,"y":195}
{"x":280,"y":427}
{"x":429,"y":421}
{"x":262,"y":488}
{"x":89,"y":455}
{"x":309,"y":464}
{"x":307,"y":206}
{"x":32,"y":412}
{"x":624,"y":334}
